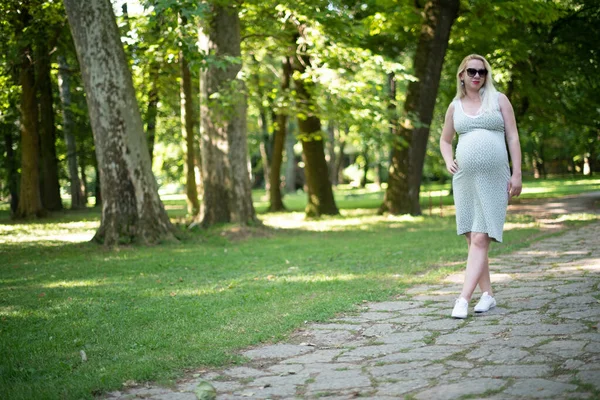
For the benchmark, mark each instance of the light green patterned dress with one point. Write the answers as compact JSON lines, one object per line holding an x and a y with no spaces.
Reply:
{"x":481,"y":183}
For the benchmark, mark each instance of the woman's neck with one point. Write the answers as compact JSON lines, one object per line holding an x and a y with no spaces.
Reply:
{"x":473,"y":96}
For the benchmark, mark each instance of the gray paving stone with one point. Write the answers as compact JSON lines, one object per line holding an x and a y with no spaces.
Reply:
{"x":456,"y":390}
{"x":378,"y":330}
{"x":175,"y":396}
{"x":244,"y":372}
{"x":277,"y":351}
{"x":400,"y":371}
{"x":360,"y":353}
{"x":319,"y":356}
{"x":563,"y":348}
{"x":523,"y":318}
{"x":497,"y":355}
{"x":508,"y":371}
{"x":591,"y":377}
{"x":572,"y":364}
{"x":444,"y":324}
{"x":405,"y":340}
{"x":280,"y":380}
{"x":394,"y":305}
{"x":220,"y":386}
{"x":412,"y":320}
{"x":323,"y":338}
{"x":395,"y":369}
{"x":540,"y":389}
{"x":431,"y":352}
{"x":402,"y":387}
{"x":329,"y":327}
{"x":548,"y":329}
{"x":339,"y":380}
{"x":459,"y":338}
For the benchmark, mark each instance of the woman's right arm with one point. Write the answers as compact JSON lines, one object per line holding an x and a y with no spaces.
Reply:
{"x":446,"y":141}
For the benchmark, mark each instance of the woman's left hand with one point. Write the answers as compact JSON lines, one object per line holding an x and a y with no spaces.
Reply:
{"x":514,"y":186}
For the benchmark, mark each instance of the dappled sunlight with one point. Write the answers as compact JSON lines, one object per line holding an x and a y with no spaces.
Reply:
{"x":349,"y":220}
{"x":73,"y":284}
{"x":509,"y":226}
{"x":24,"y":313}
{"x":72,"y":232}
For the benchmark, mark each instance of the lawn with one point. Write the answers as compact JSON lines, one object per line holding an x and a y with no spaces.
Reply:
{"x":150,"y":313}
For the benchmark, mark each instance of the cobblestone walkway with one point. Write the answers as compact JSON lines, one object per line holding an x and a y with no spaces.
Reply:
{"x":541,"y":341}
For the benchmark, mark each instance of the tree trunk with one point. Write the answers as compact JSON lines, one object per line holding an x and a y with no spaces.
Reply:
{"x":10,"y":164}
{"x":132,"y":211}
{"x":64,"y":84}
{"x":331,"y":150}
{"x":276,"y":201}
{"x":263,"y":147}
{"x":410,"y":144}
{"x":84,"y":188}
{"x":187,"y":130}
{"x":290,"y":169}
{"x":227,"y":193}
{"x":320,"y":193}
{"x":30,"y":201}
{"x":363,"y":180}
{"x":152,"y":111}
{"x":339,"y":168}
{"x":50,"y":188}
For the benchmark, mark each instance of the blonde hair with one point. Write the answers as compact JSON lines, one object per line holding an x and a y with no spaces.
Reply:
{"x":488,"y":92}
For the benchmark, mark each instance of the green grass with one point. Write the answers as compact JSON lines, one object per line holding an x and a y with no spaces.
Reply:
{"x":150,"y":313}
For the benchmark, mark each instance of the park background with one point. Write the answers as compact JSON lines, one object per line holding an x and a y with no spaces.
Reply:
{"x":322,"y":120}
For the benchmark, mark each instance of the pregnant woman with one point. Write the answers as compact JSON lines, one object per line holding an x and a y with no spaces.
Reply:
{"x":485,"y":122}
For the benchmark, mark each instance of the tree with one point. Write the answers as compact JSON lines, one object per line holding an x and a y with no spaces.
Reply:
{"x":281,"y":122}
{"x":408,"y":152}
{"x":47,"y":130}
{"x":320,"y":193}
{"x":227,"y":196}
{"x":78,"y":199}
{"x":188,"y":129}
{"x":30,"y":200}
{"x":132,"y":211}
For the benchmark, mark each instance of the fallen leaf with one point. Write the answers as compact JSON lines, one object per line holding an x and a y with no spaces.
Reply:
{"x":42,"y":294}
{"x":205,"y":391}
{"x":173,"y":294}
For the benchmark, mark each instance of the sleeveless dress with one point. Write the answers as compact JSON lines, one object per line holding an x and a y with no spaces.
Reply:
{"x":481,"y":183}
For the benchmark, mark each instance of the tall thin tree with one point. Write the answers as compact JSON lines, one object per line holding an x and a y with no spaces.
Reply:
{"x":320,"y":199}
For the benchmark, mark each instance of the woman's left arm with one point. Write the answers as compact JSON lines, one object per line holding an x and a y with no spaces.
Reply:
{"x":514,"y":147}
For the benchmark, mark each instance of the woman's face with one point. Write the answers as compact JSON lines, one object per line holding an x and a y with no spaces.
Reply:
{"x":474,"y":74}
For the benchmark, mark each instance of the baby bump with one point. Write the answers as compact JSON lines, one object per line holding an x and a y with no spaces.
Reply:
{"x":479,"y":151}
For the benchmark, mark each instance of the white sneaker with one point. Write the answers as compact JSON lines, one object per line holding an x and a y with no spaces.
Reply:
{"x":461,"y":308}
{"x":485,"y":303}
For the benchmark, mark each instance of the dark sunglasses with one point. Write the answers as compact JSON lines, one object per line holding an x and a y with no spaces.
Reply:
{"x":472,"y":71}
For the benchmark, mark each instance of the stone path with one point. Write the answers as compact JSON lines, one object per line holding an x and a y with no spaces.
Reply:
{"x":541,"y":341}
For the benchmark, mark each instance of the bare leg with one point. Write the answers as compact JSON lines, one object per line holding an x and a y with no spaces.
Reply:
{"x":477,"y":264}
{"x":485,"y":284}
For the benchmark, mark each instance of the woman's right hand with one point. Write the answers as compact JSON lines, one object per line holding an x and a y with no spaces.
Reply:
{"x":452,"y":167}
